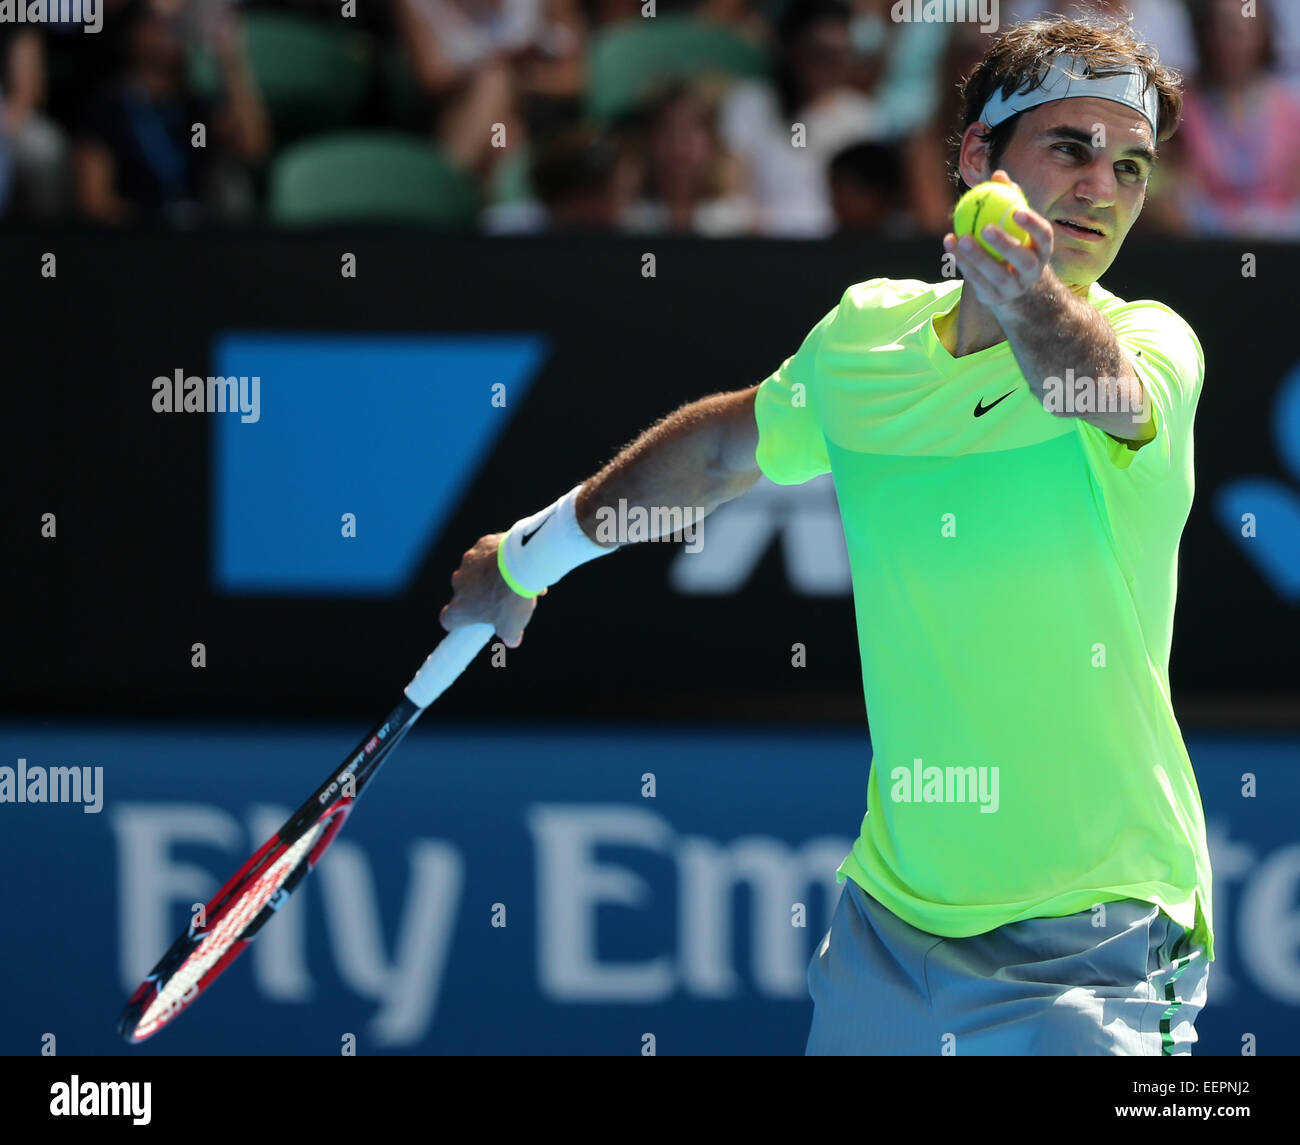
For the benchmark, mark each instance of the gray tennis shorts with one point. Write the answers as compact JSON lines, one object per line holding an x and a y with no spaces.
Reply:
{"x":1132,"y":986}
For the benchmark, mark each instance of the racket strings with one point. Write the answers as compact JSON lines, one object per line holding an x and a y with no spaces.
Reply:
{"x":182,"y":987}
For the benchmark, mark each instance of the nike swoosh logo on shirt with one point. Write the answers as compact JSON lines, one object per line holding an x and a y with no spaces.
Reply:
{"x":981,"y":409}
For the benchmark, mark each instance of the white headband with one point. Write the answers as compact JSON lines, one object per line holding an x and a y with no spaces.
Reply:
{"x":1069,"y":78}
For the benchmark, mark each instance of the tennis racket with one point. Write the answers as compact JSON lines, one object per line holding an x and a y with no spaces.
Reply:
{"x":235,"y":914}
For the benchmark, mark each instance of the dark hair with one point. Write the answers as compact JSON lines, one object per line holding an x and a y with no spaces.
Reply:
{"x":795,"y":21}
{"x":121,"y":28}
{"x":662,"y":98}
{"x":801,"y":15}
{"x":870,"y":165}
{"x":1020,"y":57}
{"x":578,"y":160}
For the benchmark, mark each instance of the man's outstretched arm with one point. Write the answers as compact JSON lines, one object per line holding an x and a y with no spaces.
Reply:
{"x":693,"y":460}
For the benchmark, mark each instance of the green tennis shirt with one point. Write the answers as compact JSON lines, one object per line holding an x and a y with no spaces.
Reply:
{"x":1014,"y":577}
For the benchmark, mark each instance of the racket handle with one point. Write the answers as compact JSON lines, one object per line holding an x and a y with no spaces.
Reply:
{"x":447,"y":661}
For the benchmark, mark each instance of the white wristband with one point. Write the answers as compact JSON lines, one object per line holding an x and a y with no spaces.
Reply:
{"x":539,"y":550}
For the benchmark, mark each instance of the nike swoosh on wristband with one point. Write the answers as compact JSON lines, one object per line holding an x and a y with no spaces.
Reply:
{"x":981,"y":409}
{"x":526,"y":537}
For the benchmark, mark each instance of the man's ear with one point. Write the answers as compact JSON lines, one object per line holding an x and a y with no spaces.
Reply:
{"x":973,"y":156}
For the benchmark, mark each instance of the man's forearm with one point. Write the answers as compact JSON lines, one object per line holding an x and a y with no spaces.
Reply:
{"x":679,"y":470}
{"x":1053,"y":331}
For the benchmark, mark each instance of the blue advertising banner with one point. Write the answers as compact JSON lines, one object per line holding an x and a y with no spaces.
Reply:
{"x":532,"y":891}
{"x":342,"y":489}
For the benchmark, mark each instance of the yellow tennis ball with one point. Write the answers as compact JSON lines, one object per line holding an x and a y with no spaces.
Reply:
{"x":991,"y":202}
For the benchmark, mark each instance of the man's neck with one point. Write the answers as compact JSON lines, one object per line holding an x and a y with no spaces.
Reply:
{"x":976,"y":327}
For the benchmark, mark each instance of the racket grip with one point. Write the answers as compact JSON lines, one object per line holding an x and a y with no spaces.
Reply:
{"x":447,"y":661}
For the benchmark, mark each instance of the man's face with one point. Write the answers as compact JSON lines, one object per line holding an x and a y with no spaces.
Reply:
{"x":1081,"y":161}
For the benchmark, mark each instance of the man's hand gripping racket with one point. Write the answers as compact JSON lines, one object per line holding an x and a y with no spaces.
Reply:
{"x":488,"y":598}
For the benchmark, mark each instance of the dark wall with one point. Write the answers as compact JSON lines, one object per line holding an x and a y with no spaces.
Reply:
{"x":101,"y":619}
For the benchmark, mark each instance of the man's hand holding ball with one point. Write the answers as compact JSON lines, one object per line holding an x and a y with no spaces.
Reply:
{"x":1002,"y":245}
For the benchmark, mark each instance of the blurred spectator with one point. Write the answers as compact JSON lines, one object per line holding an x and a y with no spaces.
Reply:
{"x":1286,"y":42}
{"x":867,"y":190}
{"x":366,"y":14}
{"x":488,"y":62}
{"x":931,"y":193}
{"x":582,"y":179}
{"x":1234,"y":166}
{"x":785,"y":133}
{"x":33,"y":150}
{"x":134,"y":156}
{"x":739,"y":16}
{"x":689,"y":184}
{"x":603,"y":13}
{"x":897,"y":64}
{"x":77,"y":64}
{"x":552,"y":75}
{"x":1164,"y":24}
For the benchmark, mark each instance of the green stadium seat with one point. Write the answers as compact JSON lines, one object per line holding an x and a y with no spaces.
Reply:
{"x":370,"y":176}
{"x":626,"y":60}
{"x":312,"y":77}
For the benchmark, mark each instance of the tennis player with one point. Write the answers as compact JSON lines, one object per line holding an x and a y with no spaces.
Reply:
{"x":1012,"y":454}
